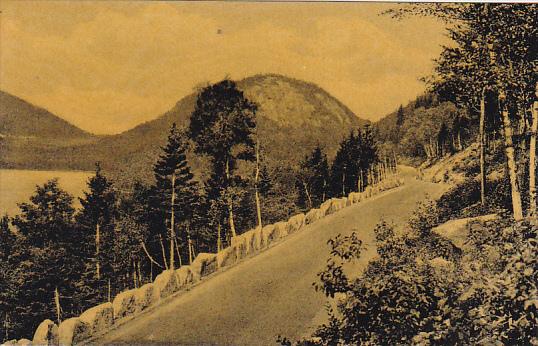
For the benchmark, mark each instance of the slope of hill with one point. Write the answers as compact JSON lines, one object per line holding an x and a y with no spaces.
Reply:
{"x":19,"y":118}
{"x":32,"y":137}
{"x":293,"y":117}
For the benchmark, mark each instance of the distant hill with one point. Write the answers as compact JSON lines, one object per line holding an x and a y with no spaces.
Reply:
{"x":19,"y":118}
{"x":293,"y":117}
{"x":32,"y":137}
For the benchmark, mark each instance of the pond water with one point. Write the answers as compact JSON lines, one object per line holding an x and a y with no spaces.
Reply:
{"x":17,"y":185}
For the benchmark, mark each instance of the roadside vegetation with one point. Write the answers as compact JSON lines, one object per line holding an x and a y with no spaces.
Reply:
{"x":476,"y":283}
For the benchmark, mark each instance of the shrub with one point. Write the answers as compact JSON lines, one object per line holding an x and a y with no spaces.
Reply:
{"x":421,"y":289}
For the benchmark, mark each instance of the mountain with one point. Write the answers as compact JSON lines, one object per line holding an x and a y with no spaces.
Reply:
{"x":19,"y":118}
{"x":32,"y":137}
{"x":293,"y":117}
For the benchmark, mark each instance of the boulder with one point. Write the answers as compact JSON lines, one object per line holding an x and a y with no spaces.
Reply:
{"x":457,"y":230}
{"x":242,"y":245}
{"x":267,"y":235}
{"x":98,"y":318}
{"x":295,"y":223}
{"x":227,"y":256}
{"x":10,"y":342}
{"x":25,"y":342}
{"x":254,"y":240}
{"x":185,"y":276}
{"x":313,"y":216}
{"x":124,"y":304}
{"x":204,"y":264}
{"x":72,"y":331}
{"x":355,"y":197}
{"x":281,"y":230}
{"x":46,"y":334}
{"x":336,"y":205}
{"x":324,"y":207}
{"x":145,"y":296}
{"x":166,"y":283}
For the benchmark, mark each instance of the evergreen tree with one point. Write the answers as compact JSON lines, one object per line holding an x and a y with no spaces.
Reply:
{"x":48,"y":266}
{"x":400,"y":116}
{"x":175,"y":188}
{"x":340,"y":169}
{"x":313,"y":180}
{"x":222,"y":126}
{"x":96,"y":224}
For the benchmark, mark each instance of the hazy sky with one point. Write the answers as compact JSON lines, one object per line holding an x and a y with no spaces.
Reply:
{"x":107,"y":67}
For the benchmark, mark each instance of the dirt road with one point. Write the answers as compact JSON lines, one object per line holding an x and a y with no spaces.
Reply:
{"x":271,"y":293}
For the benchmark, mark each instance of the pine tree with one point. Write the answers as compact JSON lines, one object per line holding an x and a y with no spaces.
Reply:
{"x":96,"y":224}
{"x":340,"y":170}
{"x":400,"y":116}
{"x":175,"y":187}
{"x":222,"y":126}
{"x":47,"y":257}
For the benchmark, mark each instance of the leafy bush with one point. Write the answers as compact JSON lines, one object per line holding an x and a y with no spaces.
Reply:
{"x":421,"y":289}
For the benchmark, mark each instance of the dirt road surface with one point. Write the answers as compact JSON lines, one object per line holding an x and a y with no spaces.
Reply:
{"x":269,"y":294}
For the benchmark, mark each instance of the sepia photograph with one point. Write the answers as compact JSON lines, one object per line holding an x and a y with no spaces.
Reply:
{"x":280,"y":173}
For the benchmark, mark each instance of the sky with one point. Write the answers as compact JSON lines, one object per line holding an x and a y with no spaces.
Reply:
{"x":109,"y":66}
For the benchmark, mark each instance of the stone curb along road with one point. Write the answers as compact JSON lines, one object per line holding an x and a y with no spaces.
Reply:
{"x":110,"y":318}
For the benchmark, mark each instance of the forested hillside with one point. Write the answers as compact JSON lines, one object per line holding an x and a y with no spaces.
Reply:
{"x":57,"y":261}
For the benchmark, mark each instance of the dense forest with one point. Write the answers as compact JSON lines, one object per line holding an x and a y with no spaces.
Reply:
{"x":57,"y":261}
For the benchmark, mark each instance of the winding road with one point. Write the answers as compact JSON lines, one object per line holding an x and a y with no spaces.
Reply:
{"x":269,"y":294}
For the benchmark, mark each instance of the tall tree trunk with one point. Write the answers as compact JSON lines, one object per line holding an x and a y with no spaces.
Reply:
{"x":482,"y":147}
{"x":177,"y":252}
{"x":343,"y":184}
{"x":229,"y":200}
{"x":307,"y":195}
{"x":97,"y":245}
{"x":109,"y":295}
{"x":189,"y":241}
{"x":219,"y":241}
{"x":511,"y":160}
{"x":172,"y":219}
{"x":533,"y":204}
{"x":164,"y":252}
{"x":257,"y":181}
{"x":57,"y":304}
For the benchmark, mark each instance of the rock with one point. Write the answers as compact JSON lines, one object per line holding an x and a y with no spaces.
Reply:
{"x":281,"y":230}
{"x":124,"y":304}
{"x":227,"y":256}
{"x":242,"y":245}
{"x":324,"y":207}
{"x":10,"y":342}
{"x":457,"y":230}
{"x":46,"y":334}
{"x":145,"y":296}
{"x":99,"y":318}
{"x":185,"y":276}
{"x":336,"y":205}
{"x":355,"y":197}
{"x":313,"y":216}
{"x":295,"y":223}
{"x":166,"y":283}
{"x":73,"y":331}
{"x":267,"y":235}
{"x":204,"y":264}
{"x":255,"y":240}
{"x":25,"y":342}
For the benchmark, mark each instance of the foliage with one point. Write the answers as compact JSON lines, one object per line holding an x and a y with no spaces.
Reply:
{"x":222,"y":125}
{"x":421,"y":289}
{"x":313,"y":179}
